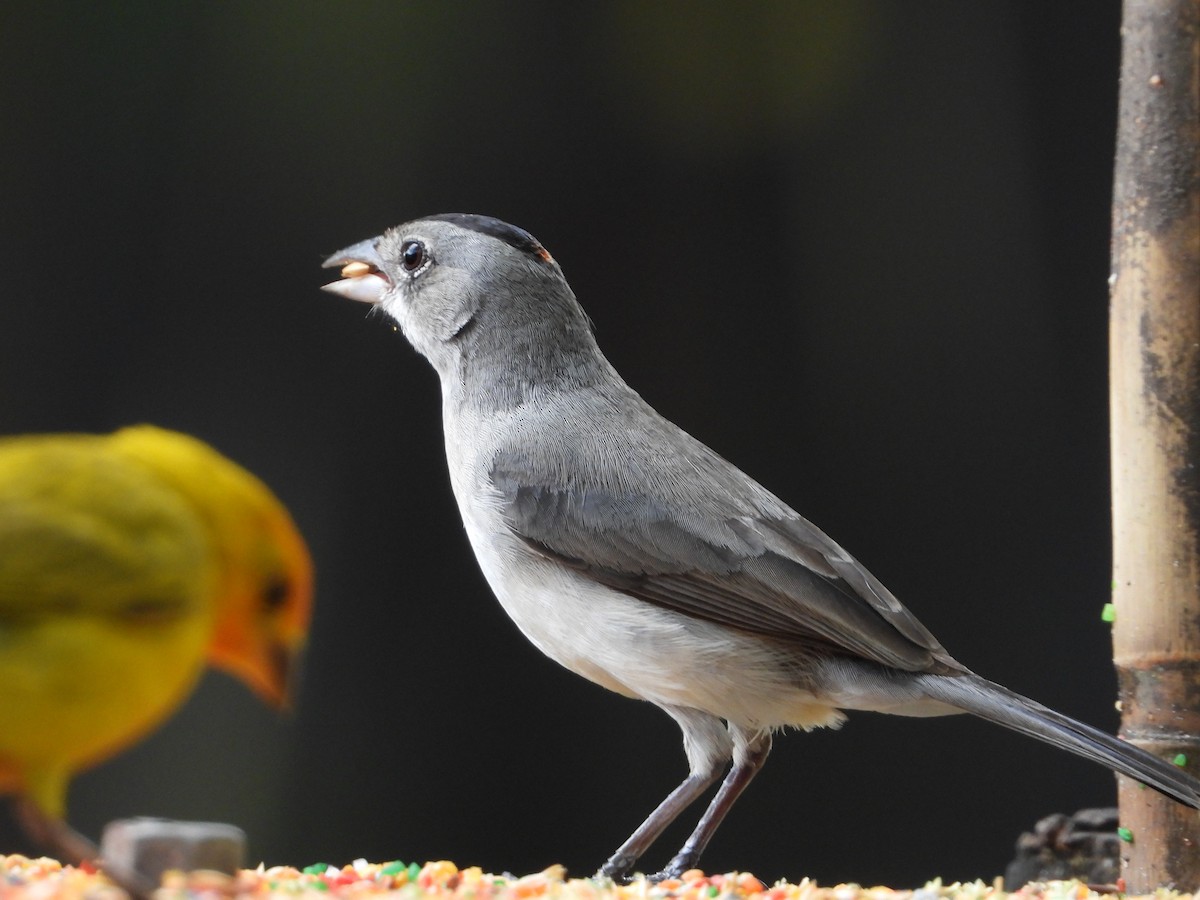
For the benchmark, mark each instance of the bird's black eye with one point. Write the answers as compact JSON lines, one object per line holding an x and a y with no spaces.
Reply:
{"x":412,"y":255}
{"x":276,"y":592}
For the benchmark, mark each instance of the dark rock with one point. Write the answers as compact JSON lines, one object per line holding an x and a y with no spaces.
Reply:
{"x":1083,"y":846}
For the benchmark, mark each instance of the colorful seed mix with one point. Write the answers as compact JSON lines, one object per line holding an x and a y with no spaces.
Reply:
{"x":22,"y":878}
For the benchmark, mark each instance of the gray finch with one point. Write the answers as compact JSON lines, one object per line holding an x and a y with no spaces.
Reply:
{"x":637,"y":557}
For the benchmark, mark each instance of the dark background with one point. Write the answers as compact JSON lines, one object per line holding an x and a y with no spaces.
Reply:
{"x":860,"y":248}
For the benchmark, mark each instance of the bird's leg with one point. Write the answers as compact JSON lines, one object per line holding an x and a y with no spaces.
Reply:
{"x":70,"y":847}
{"x":709,"y":747}
{"x":53,"y":834}
{"x":627,"y":855}
{"x":748,"y":759}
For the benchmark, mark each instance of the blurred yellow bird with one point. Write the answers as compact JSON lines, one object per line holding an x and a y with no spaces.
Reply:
{"x":128,"y":561}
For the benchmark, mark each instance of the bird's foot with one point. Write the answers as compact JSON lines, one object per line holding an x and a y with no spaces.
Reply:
{"x":661,"y":876}
{"x":683,"y":861}
{"x":673,"y":870}
{"x":618,"y":868}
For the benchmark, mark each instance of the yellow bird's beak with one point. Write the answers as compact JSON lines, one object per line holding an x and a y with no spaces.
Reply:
{"x":270,"y":670}
{"x":264,"y":616}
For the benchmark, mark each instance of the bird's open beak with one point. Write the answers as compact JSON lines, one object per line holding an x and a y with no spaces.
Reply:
{"x":362,"y":274}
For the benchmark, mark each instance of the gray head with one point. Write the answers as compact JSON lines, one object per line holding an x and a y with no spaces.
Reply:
{"x":479,"y":298}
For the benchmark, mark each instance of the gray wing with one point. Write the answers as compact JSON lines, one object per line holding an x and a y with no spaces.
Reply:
{"x":688,"y":531}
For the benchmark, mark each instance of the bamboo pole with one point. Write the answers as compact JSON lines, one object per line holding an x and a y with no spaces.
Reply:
{"x":1155,"y":406}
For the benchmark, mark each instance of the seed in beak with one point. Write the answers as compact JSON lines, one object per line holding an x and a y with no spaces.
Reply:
{"x":357,"y":269}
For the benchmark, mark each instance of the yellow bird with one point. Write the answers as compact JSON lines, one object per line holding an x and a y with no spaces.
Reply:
{"x":128,"y":561}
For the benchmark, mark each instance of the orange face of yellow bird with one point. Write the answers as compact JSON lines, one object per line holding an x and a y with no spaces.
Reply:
{"x":263,"y":585}
{"x":263,"y":615}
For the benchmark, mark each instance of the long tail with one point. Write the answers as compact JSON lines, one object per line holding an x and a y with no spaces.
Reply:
{"x":1004,"y":707}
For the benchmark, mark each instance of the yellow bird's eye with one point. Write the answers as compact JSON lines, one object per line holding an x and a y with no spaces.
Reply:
{"x":276,"y":592}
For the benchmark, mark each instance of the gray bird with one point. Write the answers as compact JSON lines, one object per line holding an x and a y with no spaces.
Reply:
{"x":635,"y":556}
